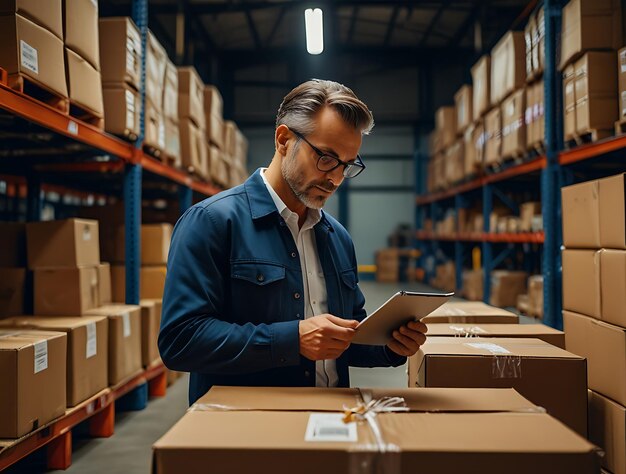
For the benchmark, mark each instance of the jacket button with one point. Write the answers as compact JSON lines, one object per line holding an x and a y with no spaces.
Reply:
{"x":293,"y":254}
{"x":298,"y":315}
{"x":260,"y":277}
{"x":283,"y":360}
{"x":296,"y":295}
{"x":307,"y":374}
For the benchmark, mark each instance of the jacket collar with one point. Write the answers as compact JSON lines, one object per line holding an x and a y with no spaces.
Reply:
{"x":261,"y":203}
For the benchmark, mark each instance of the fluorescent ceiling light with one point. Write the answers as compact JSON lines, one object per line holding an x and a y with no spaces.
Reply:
{"x":314,"y":30}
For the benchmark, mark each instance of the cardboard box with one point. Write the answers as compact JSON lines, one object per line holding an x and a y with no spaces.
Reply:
{"x":473,"y":285}
{"x":48,"y":14}
{"x":612,"y":285}
{"x":506,"y":285}
{"x":548,"y":376}
{"x":471,"y":312}
{"x":170,"y":92}
{"x":13,"y":248}
{"x":535,"y":129}
{"x":191,"y":96}
{"x":84,"y":84}
{"x":474,"y":161}
{"x":32,"y":364}
{"x":508,"y":66}
{"x":230,"y":137}
{"x":150,"y":325}
{"x":70,"y":242}
{"x":539,"y":331}
{"x":535,"y":295}
{"x":124,"y":340}
{"x":120,"y":52}
{"x":33,"y":51}
{"x":151,"y":282}
{"x":172,"y":142}
{"x":589,"y":25}
{"x":155,"y":243}
{"x":213,"y":111}
{"x":612,"y":204}
{"x":493,"y":137}
{"x":104,"y":283}
{"x":607,"y":429}
{"x":581,"y":282}
{"x":581,"y":215}
{"x":445,"y":122}
{"x":66,"y":291}
{"x":155,"y":127}
{"x":87,"y":351}
{"x":218,"y":166}
{"x":193,"y":147}
{"x":569,"y":102}
{"x":604,"y":346}
{"x":121,"y":110}
{"x":528,"y":43}
{"x":277,"y":421}
{"x":80,"y":19}
{"x":595,"y":89}
{"x":156,"y":60}
{"x":527,"y":211}
{"x":621,"y":82}
{"x":12,"y":291}
{"x":513,"y":124}
{"x":481,"y":80}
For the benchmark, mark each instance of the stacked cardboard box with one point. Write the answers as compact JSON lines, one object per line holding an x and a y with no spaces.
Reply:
{"x":192,"y":122}
{"x":621,"y":83}
{"x":493,"y":137}
{"x":120,"y":56}
{"x":454,"y":162}
{"x":591,"y":33}
{"x":481,"y":80}
{"x":13,"y":272}
{"x":69,"y":278}
{"x":239,"y":165}
{"x":470,"y":312}
{"x":528,"y":211}
{"x":31,"y":34}
{"x":155,"y":244}
{"x":445,"y":276}
{"x":514,"y":124}
{"x":150,"y":324}
{"x":506,"y":286}
{"x":33,"y":391}
{"x":473,"y":285}
{"x":463,"y":101}
{"x":594,"y":303}
{"x":508,"y":71}
{"x":547,"y":375}
{"x":305,"y":426}
{"x":82,"y":54}
{"x":390,"y":263}
{"x":535,"y":296}
{"x":534,"y":116}
{"x":156,"y":63}
{"x":534,"y":37}
{"x":170,"y":113}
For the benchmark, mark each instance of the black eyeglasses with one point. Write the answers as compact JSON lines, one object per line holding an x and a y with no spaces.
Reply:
{"x":327,"y":163}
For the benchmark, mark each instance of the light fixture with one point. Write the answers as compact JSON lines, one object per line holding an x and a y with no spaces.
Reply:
{"x":314,"y":30}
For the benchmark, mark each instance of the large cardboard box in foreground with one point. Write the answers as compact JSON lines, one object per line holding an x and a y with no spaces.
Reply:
{"x":612,"y":200}
{"x":548,"y":376}
{"x":470,"y":312}
{"x":604,"y":346}
{"x":581,"y":281}
{"x":120,"y":51}
{"x":607,"y":429}
{"x":64,"y":243}
{"x":124,"y":340}
{"x":87,"y":351}
{"x":581,"y":215}
{"x":32,"y":364}
{"x":539,"y":331}
{"x":33,"y":51}
{"x":48,"y":14}
{"x":493,"y":431}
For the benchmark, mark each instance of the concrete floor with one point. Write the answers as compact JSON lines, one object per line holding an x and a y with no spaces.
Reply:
{"x":129,"y":450}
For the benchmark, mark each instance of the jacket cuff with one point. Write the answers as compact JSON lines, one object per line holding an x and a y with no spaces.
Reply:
{"x":285,"y":343}
{"x":395,"y":360}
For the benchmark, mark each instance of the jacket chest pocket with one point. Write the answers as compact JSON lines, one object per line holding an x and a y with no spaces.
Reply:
{"x":348,"y":284}
{"x":256,"y":291}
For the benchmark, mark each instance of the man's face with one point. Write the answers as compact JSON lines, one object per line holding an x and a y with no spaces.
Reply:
{"x":333,"y":136}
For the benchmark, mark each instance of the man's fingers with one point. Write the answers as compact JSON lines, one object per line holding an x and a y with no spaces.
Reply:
{"x":344,"y":323}
{"x":398,"y":348}
{"x":418,"y":326}
{"x":417,"y":336}
{"x":406,"y":341}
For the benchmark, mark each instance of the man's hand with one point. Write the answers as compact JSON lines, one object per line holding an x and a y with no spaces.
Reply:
{"x":325,"y":336}
{"x":408,"y":339}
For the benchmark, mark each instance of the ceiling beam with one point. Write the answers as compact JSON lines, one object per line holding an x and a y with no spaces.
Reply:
{"x":277,"y":23}
{"x":253,"y":31}
{"x":434,"y":21}
{"x":391,"y":25}
{"x":355,"y":14}
{"x":465,"y":26}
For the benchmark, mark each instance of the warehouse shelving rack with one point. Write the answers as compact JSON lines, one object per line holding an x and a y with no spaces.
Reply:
{"x":557,"y":168}
{"x":91,"y":164}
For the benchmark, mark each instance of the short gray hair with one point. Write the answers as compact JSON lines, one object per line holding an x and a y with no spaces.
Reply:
{"x":301,"y":105}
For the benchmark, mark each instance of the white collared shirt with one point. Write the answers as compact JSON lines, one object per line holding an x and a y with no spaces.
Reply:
{"x":315,"y":296}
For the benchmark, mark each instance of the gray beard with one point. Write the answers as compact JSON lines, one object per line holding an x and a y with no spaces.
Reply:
{"x":294,"y":180}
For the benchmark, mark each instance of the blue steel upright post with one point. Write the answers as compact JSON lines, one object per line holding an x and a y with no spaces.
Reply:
{"x":550,"y":181}
{"x":132,"y":172}
{"x":34,"y":199}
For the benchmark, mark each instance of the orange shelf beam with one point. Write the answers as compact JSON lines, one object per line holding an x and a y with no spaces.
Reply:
{"x":592,"y":150}
{"x":521,"y":238}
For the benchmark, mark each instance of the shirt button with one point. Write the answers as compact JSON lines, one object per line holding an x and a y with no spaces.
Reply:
{"x":282,"y":223}
{"x":296,"y":295}
{"x":293,"y":254}
{"x":260,"y":277}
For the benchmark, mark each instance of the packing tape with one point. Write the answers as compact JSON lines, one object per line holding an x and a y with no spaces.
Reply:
{"x":506,"y":367}
{"x":474,"y":331}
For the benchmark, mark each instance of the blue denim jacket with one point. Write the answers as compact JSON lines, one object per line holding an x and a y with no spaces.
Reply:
{"x":233,"y":295}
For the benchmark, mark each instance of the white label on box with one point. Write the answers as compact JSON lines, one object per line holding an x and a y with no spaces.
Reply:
{"x":95,"y":3}
{"x":622,"y":57}
{"x":493,"y":348}
{"x":130,"y":110}
{"x":327,"y":427}
{"x":126,"y":322}
{"x":72,"y":127}
{"x":92,"y":342}
{"x":41,"y":356}
{"x":28,"y":57}
{"x":86,"y":233}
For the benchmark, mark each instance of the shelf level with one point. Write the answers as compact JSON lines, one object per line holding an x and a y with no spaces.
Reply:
{"x":521,"y":238}
{"x":592,"y":150}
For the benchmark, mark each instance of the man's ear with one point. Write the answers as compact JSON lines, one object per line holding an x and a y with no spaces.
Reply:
{"x":281,"y":139}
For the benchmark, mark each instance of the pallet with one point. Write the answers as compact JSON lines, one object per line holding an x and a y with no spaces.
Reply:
{"x":81,"y":113}
{"x":25,"y":85}
{"x":152,"y":151}
{"x":537,"y":149}
{"x":169,"y":160}
{"x":587,"y":137}
{"x":620,"y":127}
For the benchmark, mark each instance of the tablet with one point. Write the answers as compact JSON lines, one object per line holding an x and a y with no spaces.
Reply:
{"x":377,"y":329}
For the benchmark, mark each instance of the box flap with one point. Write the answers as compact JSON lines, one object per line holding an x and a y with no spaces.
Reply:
{"x":17,"y":339}
{"x":460,"y":329}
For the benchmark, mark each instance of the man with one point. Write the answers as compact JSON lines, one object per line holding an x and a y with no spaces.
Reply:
{"x":261,"y":285}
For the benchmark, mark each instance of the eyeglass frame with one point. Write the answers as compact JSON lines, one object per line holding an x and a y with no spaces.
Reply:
{"x":358,"y":162}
